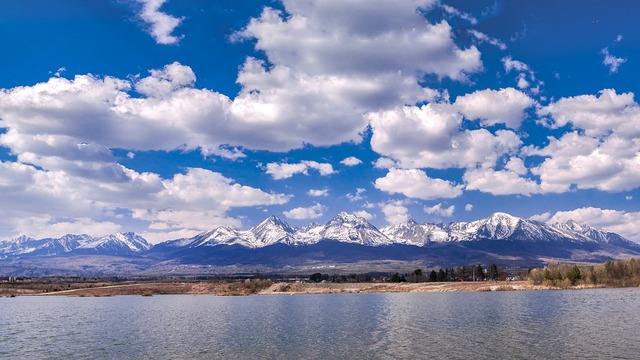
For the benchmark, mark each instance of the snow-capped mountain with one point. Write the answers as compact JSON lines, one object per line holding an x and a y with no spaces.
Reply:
{"x":346,"y":234}
{"x":343,"y":228}
{"x":346,"y":239}
{"x":353,"y":229}
{"x":272,"y":231}
{"x":499,"y":226}
{"x":118,"y":244}
{"x":349,"y":228}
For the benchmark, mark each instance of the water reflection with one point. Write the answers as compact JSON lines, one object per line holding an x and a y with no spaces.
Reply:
{"x":588,"y":324}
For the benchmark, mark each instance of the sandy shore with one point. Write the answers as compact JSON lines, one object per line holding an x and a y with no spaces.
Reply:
{"x":331,"y":288}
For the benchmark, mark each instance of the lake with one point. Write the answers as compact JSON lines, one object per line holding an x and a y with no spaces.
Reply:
{"x":584,"y":324}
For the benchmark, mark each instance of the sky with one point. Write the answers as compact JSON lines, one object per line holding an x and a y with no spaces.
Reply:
{"x":173,"y":117}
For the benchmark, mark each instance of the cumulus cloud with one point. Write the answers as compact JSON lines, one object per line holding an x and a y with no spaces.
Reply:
{"x":597,"y":115}
{"x":468,"y":207}
{"x":384,"y":163}
{"x":601,"y":153}
{"x":431,"y":136}
{"x":500,"y":182}
{"x":161,"y":25}
{"x":163,"y":82}
{"x":415,"y":183}
{"x":439,"y":210}
{"x":66,"y":202}
{"x":305,"y":213}
{"x":516,"y":165}
{"x":360,"y":38}
{"x":351,"y":161}
{"x":611,"y":164}
{"x":612,"y":62}
{"x":504,"y":106}
{"x":318,"y":192}
{"x":624,"y":223}
{"x":395,"y":213}
{"x":280,"y":171}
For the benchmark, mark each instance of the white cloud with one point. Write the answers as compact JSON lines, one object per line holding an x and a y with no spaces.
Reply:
{"x":455,"y":12}
{"x":395,"y":213}
{"x":302,"y":213}
{"x":522,"y":82}
{"x":516,"y":165}
{"x":514,"y":65}
{"x":504,"y":106}
{"x":164,"y":82}
{"x":612,"y":62}
{"x":438,"y":210}
{"x":468,"y":207}
{"x":358,"y":37}
{"x":430,"y":136}
{"x":482,"y":37}
{"x":624,"y":223}
{"x":544,"y":217}
{"x":284,"y":170}
{"x":46,"y":226}
{"x":358,"y":195}
{"x":351,"y":161}
{"x":611,"y":164}
{"x":602,"y":153}
{"x":384,"y":163}
{"x":161,"y":24}
{"x":415,"y":183}
{"x":37,"y":201}
{"x":597,"y":115}
{"x":318,"y":192}
{"x":364,"y":214}
{"x":628,"y":197}
{"x":502,"y":182}
{"x":526,"y":77}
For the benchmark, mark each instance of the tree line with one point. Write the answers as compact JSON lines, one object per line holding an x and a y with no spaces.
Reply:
{"x":618,"y":273}
{"x":461,"y":273}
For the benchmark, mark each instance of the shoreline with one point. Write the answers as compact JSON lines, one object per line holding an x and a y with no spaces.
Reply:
{"x":283,"y":288}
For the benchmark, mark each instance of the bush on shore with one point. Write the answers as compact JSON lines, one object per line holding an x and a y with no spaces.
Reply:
{"x":619,"y":273}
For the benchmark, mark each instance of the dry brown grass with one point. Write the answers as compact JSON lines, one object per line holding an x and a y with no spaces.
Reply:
{"x":248,"y":287}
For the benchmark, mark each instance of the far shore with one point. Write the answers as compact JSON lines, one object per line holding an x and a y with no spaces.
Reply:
{"x":265,"y":287}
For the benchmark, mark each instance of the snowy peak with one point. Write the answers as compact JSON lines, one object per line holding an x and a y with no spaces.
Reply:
{"x":354,"y":229}
{"x":271,"y":231}
{"x":584,"y":232}
{"x":118,"y":244}
{"x":221,"y":235}
{"x":498,"y":226}
{"x":412,"y":233}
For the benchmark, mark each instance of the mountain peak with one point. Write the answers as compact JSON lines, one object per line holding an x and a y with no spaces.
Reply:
{"x":352,"y":228}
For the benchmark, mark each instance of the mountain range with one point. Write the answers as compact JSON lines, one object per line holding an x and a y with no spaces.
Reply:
{"x":347,"y":241}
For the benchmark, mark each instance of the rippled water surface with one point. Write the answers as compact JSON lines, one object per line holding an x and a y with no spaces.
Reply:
{"x":586,"y":324}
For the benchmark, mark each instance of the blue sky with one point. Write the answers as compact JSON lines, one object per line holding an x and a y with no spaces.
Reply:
{"x":170,"y":117}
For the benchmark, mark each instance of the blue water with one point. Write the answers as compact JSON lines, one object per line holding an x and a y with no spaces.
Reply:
{"x":586,"y":324}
